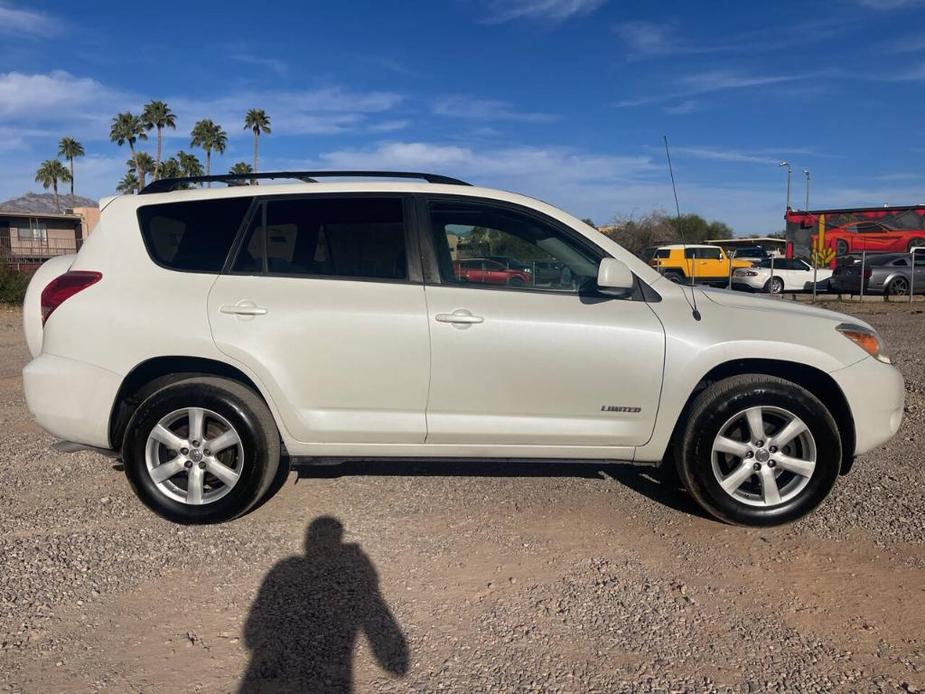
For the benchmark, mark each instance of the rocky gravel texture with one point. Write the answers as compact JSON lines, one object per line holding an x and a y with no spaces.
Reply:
{"x":460,"y":577}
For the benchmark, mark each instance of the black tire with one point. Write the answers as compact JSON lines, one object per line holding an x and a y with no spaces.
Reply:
{"x":723,"y":400}
{"x":242,"y":409}
{"x":841,"y":247}
{"x":675,"y":277}
{"x":898,"y":286}
{"x":775,"y":285}
{"x":516,"y":282}
{"x":916,"y":242}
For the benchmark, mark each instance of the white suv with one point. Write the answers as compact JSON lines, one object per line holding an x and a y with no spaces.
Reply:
{"x":206,"y":335}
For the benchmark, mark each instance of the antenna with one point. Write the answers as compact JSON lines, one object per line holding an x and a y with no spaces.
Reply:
{"x":694,"y":312}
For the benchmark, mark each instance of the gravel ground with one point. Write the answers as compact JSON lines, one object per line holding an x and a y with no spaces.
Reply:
{"x":460,"y":577}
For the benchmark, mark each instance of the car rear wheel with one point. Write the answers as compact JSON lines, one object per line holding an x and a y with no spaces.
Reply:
{"x":775,"y":285}
{"x":917,"y":242}
{"x":675,"y":277}
{"x":759,"y":450}
{"x":841,"y":247}
{"x":898,"y":286}
{"x":516,"y":282}
{"x":202,"y":450}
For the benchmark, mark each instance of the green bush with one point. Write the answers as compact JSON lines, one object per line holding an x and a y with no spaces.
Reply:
{"x":12,"y":284}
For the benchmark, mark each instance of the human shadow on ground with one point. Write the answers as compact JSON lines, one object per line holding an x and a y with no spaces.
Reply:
{"x":653,"y":483}
{"x":303,"y":626}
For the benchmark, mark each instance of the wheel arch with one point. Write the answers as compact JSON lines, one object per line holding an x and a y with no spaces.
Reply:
{"x":816,"y":381}
{"x":153,"y":374}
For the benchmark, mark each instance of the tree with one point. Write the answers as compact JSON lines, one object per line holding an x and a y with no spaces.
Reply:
{"x":129,"y":183}
{"x":170,"y":168}
{"x":128,"y":128}
{"x":209,"y":136}
{"x":241,"y":167}
{"x":257,"y":121}
{"x":189,"y":164}
{"x":589,"y":222}
{"x":49,"y":174}
{"x":157,"y":115}
{"x":637,"y":233}
{"x":144,"y":164}
{"x":70,"y":149}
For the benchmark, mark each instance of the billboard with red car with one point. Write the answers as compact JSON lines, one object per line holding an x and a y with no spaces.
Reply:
{"x":851,"y":231}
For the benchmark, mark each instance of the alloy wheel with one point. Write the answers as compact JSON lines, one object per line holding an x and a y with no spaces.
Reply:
{"x":194,"y":456}
{"x":763,"y":456}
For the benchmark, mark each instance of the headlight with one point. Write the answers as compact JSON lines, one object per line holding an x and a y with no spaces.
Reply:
{"x":866,"y":339}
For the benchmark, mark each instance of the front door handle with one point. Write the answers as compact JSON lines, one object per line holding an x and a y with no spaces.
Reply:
{"x":460,"y":317}
{"x":244,"y":308}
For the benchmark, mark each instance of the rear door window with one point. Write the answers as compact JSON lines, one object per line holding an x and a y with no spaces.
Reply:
{"x":192,"y":236}
{"x":346,"y":237}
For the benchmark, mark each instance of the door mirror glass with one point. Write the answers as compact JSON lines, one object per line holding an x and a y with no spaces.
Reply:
{"x":614,"y":274}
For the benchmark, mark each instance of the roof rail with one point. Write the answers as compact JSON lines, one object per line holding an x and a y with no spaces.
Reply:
{"x":165,"y":185}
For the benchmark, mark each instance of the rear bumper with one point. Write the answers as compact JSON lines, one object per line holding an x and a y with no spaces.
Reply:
{"x":876,"y":395}
{"x":71,"y":399}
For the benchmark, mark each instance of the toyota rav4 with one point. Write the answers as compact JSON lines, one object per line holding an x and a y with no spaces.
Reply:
{"x":210,"y":336}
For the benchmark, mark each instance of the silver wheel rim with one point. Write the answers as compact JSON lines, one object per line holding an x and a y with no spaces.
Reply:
{"x":194,"y":456}
{"x":776,"y":286}
{"x":764,"y":456}
{"x":899,"y":286}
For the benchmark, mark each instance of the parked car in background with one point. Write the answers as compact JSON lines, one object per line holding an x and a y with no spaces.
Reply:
{"x":781,"y":275}
{"x":752,"y":253}
{"x":703,"y":263}
{"x":889,"y":273}
{"x":315,"y":321}
{"x":487,"y":271}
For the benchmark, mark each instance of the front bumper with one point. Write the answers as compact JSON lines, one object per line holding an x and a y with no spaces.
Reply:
{"x":876,"y":395}
{"x":71,"y":399}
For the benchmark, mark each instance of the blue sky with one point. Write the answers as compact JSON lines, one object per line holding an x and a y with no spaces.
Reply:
{"x":566,"y":100}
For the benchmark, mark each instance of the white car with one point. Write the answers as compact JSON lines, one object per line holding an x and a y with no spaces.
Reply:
{"x":210,"y":336}
{"x":783,"y":276}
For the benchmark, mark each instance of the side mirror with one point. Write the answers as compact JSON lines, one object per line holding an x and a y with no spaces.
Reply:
{"x":614,"y":274}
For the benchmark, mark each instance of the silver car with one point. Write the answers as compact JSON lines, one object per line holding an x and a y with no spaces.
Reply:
{"x":889,"y":273}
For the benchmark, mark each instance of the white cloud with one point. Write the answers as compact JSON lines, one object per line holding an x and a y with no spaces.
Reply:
{"x":710,"y":82}
{"x":20,"y":22}
{"x":274,"y":64}
{"x":682,"y":108}
{"x":486,"y":110}
{"x":643,"y":39}
{"x":553,"y":10}
{"x":55,"y":96}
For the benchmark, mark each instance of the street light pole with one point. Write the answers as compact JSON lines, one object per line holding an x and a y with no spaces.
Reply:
{"x":789,"y":171}
{"x":806,"y":173}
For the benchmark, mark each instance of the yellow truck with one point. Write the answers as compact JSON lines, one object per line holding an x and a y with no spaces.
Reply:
{"x":703,"y":263}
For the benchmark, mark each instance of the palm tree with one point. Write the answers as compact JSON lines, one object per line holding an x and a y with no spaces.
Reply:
{"x":257,"y":121}
{"x":241,"y":167}
{"x":209,"y":136}
{"x":144,"y":165}
{"x":129,"y":183}
{"x":170,"y":168}
{"x":189,"y":164}
{"x":127,"y":127}
{"x":70,"y":149}
{"x":157,"y":114}
{"x":49,"y":173}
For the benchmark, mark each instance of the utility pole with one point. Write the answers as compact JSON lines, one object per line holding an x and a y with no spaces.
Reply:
{"x":789,"y":172}
{"x":806,"y":173}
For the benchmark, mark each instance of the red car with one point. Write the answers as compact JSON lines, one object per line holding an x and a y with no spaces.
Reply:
{"x":870,"y":235}
{"x":485,"y":271}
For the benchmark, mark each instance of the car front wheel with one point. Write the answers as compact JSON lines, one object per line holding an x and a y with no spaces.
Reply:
{"x":202,"y":450}
{"x":759,"y":450}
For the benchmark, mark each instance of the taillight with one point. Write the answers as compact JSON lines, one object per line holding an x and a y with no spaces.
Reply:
{"x":64,"y":287}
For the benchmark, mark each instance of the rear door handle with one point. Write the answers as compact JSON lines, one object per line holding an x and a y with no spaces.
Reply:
{"x":460,"y":317}
{"x":244,"y":308}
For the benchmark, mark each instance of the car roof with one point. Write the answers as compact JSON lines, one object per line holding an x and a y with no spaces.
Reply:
{"x":689,"y":245}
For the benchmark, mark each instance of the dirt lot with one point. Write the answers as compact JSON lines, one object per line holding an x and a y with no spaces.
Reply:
{"x":460,"y":577}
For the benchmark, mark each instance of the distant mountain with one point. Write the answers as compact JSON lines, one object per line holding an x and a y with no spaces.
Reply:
{"x":44,"y":203}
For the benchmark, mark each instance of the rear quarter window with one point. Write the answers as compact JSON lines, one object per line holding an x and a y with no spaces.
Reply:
{"x":192,"y":236}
